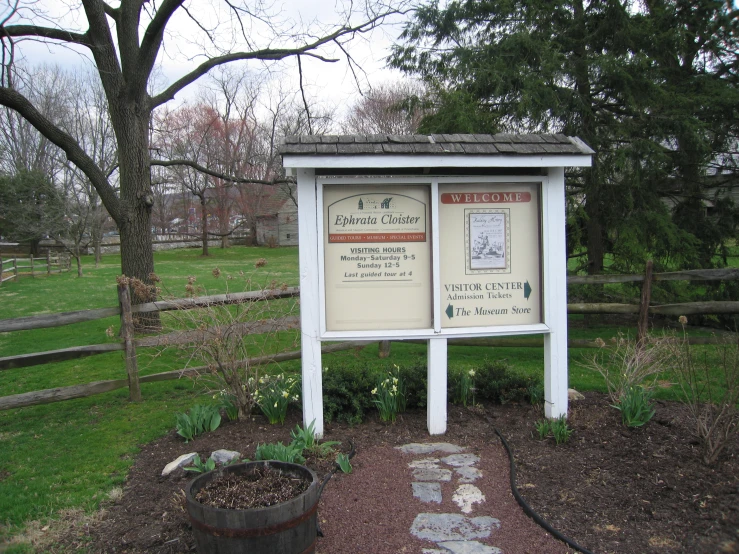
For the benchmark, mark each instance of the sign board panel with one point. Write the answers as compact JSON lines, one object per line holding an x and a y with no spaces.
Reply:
{"x":491,"y":256}
{"x":377,"y":257}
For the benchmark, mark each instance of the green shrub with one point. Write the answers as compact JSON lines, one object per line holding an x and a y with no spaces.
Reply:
{"x":498,"y":383}
{"x":347,"y":390}
{"x":346,"y":393}
{"x":198,"y":420}
{"x":416,"y":378}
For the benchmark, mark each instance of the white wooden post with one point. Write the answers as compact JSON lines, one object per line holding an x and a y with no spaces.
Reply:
{"x":309,"y":301}
{"x":436,"y":391}
{"x":555,"y":294}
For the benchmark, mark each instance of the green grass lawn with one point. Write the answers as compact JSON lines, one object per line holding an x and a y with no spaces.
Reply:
{"x":73,"y":454}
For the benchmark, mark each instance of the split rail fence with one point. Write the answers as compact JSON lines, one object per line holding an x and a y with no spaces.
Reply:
{"x":12,"y":268}
{"x":129,"y":343}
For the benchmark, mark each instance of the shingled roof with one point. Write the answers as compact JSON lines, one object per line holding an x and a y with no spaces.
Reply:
{"x":437,"y":145}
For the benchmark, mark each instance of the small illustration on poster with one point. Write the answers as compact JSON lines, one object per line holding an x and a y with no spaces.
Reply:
{"x":487,"y":237}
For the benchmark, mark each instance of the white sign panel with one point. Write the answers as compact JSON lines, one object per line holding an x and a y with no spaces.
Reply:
{"x":490,"y":254}
{"x":377,"y":257}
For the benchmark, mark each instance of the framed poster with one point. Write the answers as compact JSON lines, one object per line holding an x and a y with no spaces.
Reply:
{"x":487,"y":240}
{"x":377,"y":257}
{"x":490,"y":252}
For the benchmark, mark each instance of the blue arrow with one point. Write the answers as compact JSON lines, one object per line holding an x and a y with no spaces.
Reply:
{"x":450,"y":311}
{"x":526,"y":290}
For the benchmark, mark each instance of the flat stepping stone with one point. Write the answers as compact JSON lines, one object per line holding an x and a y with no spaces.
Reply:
{"x":426,"y":463}
{"x":469,"y":547}
{"x":225,"y":456}
{"x":434,"y":551}
{"x":427,"y":492}
{"x":468,"y":474}
{"x":181,"y":461}
{"x":461,"y":460}
{"x":453,"y":527}
{"x":432,"y":474}
{"x":466,"y":496}
{"x":429,"y":447}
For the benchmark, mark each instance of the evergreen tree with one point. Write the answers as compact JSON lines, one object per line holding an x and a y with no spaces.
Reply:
{"x":651,"y":87}
{"x":31,"y":208}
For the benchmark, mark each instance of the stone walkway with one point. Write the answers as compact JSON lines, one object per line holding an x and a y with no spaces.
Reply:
{"x":455,"y":533}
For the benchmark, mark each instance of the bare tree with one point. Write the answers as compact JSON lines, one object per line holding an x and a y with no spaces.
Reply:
{"x":22,"y":147}
{"x":87,"y":120}
{"x":387,"y":109}
{"x":125,"y":42}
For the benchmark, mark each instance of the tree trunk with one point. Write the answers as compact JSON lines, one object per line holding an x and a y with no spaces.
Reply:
{"x":78,"y":259}
{"x":131,"y":122}
{"x":204,"y":225}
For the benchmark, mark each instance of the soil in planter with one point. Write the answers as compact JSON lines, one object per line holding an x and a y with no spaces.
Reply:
{"x":258,"y":489}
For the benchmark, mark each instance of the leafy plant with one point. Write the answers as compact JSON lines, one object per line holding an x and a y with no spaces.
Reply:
{"x":280,"y":452}
{"x":199,"y":466}
{"x":711,"y":391}
{"x":636,"y":407}
{"x":543,"y":428}
{"x":198,"y":420}
{"x":389,"y":395}
{"x":227,"y":402}
{"x":344,"y":464}
{"x":465,"y":389}
{"x":274,"y":394}
{"x":561,"y":430}
{"x":305,"y":439}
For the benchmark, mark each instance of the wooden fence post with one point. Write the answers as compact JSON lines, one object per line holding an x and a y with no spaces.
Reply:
{"x":129,"y":348}
{"x":646,"y":296}
{"x":384,"y":351}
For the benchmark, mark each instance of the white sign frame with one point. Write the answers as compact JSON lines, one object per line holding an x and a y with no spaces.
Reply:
{"x":553,"y":275}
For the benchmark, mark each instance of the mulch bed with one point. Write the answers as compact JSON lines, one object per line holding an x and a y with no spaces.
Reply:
{"x":611,"y":489}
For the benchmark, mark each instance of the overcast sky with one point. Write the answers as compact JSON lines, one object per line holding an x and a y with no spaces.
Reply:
{"x":331,"y":83}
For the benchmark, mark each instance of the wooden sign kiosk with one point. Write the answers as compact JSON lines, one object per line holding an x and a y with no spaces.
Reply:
{"x":432,"y":237}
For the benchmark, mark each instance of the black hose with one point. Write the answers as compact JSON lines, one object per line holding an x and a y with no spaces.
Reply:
{"x":327,"y":478}
{"x":527,"y":509}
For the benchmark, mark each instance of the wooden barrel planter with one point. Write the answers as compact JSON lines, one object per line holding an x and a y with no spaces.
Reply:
{"x":285,"y":528}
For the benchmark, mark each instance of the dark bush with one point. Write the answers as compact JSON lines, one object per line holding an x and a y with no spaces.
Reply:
{"x":346,"y":392}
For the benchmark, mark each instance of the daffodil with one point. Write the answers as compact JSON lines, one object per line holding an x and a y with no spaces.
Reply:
{"x":285,"y":394}
{"x":374,"y":391}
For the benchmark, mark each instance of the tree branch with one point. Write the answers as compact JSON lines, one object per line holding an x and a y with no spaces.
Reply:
{"x":218,"y":174}
{"x":111,"y":12}
{"x":102,"y":47}
{"x":152,"y":40}
{"x":16,"y":101}
{"x":302,"y":93}
{"x":264,"y":54}
{"x":61,"y":35}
